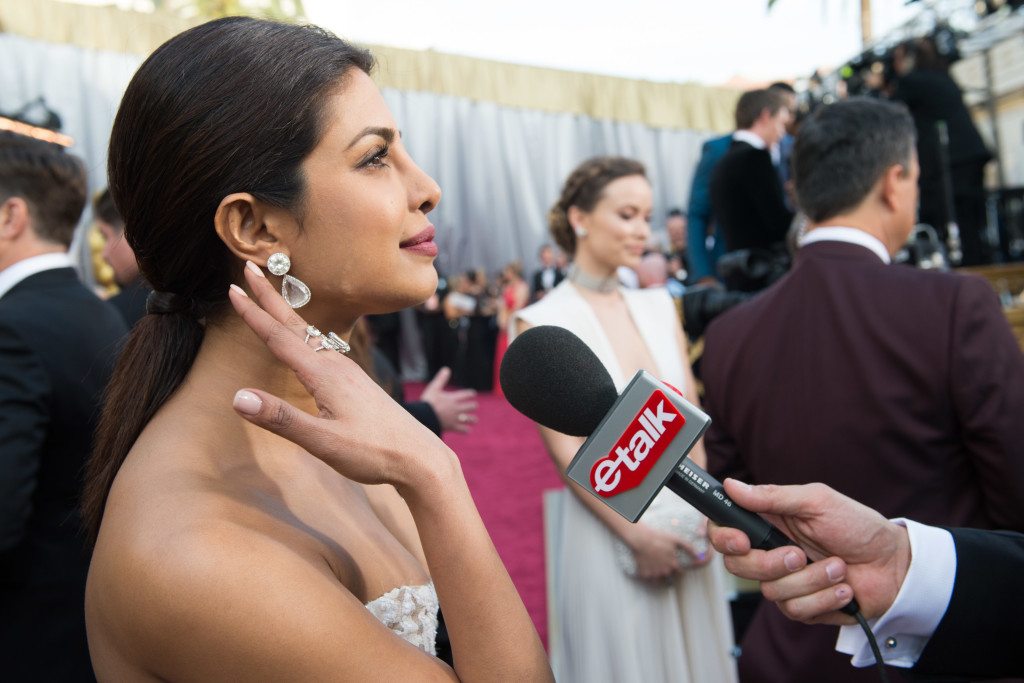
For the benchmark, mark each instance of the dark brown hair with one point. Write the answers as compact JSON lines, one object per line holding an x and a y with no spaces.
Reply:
{"x":583,"y":189}
{"x":233,"y":105}
{"x":51,"y":181}
{"x":753,"y":102}
{"x":103,"y":208}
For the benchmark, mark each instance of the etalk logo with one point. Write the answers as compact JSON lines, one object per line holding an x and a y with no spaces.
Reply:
{"x":639,"y":447}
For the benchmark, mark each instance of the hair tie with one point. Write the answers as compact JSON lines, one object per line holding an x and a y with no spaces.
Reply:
{"x":170,"y":303}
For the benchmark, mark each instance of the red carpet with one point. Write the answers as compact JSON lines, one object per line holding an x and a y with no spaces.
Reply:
{"x":508,"y":469}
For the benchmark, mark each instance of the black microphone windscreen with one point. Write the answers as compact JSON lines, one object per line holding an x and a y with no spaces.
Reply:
{"x":552,"y":377}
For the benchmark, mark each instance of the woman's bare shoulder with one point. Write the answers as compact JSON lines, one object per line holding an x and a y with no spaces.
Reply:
{"x":209,"y":596}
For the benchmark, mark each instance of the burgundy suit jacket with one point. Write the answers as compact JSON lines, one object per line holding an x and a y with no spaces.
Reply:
{"x":901,"y":388}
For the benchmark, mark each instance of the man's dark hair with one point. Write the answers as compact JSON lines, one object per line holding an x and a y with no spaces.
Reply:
{"x":843,"y":149}
{"x":753,"y":102}
{"x":51,"y":182}
{"x":782,"y":86}
{"x":104,"y":209}
{"x":672,"y":213}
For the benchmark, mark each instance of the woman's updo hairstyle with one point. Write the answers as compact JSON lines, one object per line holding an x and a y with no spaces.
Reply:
{"x":233,"y":105}
{"x":583,"y":189}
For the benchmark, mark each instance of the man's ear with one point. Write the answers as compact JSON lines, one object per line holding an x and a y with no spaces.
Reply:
{"x":890,"y":184}
{"x":249,"y":228}
{"x":15,"y":219}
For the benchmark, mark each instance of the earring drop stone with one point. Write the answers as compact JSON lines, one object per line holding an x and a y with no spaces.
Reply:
{"x":279,"y":263}
{"x":295,"y":292}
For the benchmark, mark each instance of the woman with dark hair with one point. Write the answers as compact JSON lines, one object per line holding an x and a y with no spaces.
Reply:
{"x":308,"y":531}
{"x":632,"y":602}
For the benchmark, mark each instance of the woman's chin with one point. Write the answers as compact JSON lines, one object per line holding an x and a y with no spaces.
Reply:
{"x":630,"y":260}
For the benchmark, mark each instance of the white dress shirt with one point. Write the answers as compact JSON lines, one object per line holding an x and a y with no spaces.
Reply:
{"x":752,"y":139}
{"x":849,"y":235}
{"x":13,"y":274}
{"x":904,"y":630}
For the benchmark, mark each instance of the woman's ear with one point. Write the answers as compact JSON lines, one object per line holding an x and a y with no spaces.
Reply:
{"x":249,"y":228}
{"x":577,"y":218}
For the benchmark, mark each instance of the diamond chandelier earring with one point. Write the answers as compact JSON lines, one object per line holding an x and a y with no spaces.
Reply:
{"x":295,"y":292}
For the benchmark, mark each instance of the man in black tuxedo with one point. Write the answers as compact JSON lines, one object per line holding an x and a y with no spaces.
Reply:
{"x":547,"y":276}
{"x":746,"y":193}
{"x":131,"y":300}
{"x":942,"y":601}
{"x":955,"y":179}
{"x":57,"y":345}
{"x":899,"y":387}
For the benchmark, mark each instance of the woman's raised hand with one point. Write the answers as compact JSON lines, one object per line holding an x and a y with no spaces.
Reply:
{"x":359,"y":430}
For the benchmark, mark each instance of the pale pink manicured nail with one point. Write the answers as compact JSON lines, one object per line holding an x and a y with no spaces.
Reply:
{"x":254,"y":268}
{"x":247,"y":402}
{"x":792,"y":561}
{"x":239,"y":290}
{"x":833,"y":571}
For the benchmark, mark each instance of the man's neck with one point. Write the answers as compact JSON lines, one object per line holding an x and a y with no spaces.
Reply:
{"x":751,"y":137}
{"x":860,"y":222}
{"x":17,"y":255}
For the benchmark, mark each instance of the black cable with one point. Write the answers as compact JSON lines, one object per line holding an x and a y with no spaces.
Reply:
{"x":882,"y":673}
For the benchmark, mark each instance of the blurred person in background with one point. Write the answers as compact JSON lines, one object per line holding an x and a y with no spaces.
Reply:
{"x":782,"y":152}
{"x":705,"y":244}
{"x":652,"y":271}
{"x":747,"y":196}
{"x":57,"y":347}
{"x":924,"y":84}
{"x":548,"y":275}
{"x":678,"y":239}
{"x":515,"y":294}
{"x":434,"y":329}
{"x":470,"y":310}
{"x":632,"y":602}
{"x":386,"y":332}
{"x":130,"y":301}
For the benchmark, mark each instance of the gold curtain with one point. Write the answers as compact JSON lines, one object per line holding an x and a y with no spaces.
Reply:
{"x":660,"y":105}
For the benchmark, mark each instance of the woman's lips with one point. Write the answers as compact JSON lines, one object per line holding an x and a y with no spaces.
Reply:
{"x":422,"y":242}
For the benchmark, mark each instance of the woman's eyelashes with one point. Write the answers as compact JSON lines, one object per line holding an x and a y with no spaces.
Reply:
{"x":375,"y":158}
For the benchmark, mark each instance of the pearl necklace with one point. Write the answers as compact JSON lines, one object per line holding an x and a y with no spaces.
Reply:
{"x":604,"y":285}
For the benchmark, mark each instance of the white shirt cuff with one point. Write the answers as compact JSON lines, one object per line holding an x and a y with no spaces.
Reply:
{"x":904,"y":630}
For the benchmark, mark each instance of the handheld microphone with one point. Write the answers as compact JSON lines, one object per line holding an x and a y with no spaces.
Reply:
{"x":637,"y":442}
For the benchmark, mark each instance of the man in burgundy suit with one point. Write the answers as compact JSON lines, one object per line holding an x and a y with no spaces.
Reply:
{"x":898,"y":387}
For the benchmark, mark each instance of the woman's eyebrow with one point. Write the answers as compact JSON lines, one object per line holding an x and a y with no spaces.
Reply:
{"x":387,"y":133}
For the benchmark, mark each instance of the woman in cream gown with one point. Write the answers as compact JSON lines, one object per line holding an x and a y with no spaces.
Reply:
{"x":668,"y":622}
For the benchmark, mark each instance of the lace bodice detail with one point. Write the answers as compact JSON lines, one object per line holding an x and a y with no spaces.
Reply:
{"x":411,"y":612}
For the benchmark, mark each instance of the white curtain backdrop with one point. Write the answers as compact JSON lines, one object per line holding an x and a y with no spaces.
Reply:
{"x":84,"y":87}
{"x":500,"y":168}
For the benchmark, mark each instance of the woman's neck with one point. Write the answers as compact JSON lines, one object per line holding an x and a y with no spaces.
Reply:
{"x":233,"y":357}
{"x":592,"y":276}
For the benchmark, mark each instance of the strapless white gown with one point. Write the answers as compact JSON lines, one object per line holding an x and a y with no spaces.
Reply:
{"x":411,"y":614}
{"x":604,"y":625}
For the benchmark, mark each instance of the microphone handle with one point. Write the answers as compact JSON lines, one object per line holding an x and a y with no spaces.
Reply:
{"x":698,"y":488}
